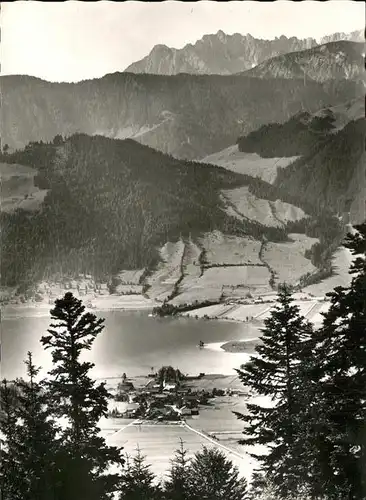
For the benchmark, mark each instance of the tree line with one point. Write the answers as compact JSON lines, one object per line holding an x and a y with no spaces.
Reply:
{"x":325,"y":175}
{"x":312,"y":428}
{"x":298,"y":136}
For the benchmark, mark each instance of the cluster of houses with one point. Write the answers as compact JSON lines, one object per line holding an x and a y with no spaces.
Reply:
{"x":166,"y":400}
{"x":83,"y":285}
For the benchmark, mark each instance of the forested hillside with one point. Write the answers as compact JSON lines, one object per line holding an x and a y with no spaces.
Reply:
{"x":188,"y":116}
{"x":295,"y":137}
{"x":110,"y":204}
{"x":331,"y":169}
{"x":331,"y":61}
{"x":332,"y":173}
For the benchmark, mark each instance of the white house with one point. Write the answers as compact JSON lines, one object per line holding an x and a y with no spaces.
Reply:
{"x":168,"y":386}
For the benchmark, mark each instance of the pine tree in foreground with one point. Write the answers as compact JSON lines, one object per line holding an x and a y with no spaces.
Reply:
{"x":339,"y":430}
{"x":138,"y":480}
{"x":213,"y":477}
{"x":178,"y":486}
{"x":30,"y":445}
{"x":278,"y":372}
{"x":36,"y":432}
{"x":85,"y":460}
{"x":10,"y":471}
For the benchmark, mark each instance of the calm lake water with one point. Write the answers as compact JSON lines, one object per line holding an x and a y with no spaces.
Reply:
{"x":131,"y":342}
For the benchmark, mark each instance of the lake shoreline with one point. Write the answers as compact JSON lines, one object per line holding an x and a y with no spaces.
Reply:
{"x":34,"y":310}
{"x":244,"y":346}
{"x":108,"y":303}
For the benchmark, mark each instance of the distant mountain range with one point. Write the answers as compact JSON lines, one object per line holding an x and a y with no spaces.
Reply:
{"x":187,"y":116}
{"x":333,"y":60}
{"x":226,"y":54}
{"x":94,"y":202}
{"x":354,"y":36}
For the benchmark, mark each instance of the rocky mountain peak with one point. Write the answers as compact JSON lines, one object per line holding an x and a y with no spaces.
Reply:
{"x":225,"y":54}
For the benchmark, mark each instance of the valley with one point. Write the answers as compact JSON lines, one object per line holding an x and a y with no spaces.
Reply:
{"x":197,"y":193}
{"x":183,"y":251}
{"x":247,"y":242}
{"x":234,"y":276}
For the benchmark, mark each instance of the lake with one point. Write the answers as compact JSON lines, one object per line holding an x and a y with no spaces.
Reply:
{"x":132,"y":342}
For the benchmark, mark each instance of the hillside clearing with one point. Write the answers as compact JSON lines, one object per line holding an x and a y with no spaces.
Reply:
{"x":211,"y":285}
{"x":242,"y":203}
{"x":288,"y":260}
{"x":248,"y":163}
{"x":168,"y":272}
{"x":128,"y":282}
{"x":341,"y":262}
{"x":223,"y":249}
{"x":17,"y":189}
{"x":255,"y":314}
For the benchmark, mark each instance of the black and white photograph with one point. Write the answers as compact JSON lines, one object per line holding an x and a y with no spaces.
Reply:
{"x":183,"y":250}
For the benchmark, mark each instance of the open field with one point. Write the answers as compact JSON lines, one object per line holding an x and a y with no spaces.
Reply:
{"x":251,"y":276}
{"x":210,"y":285}
{"x":220,"y":250}
{"x":247,"y":205}
{"x":255,"y":314}
{"x":163,"y":280}
{"x":234,"y":250}
{"x":288,"y":260}
{"x":190,"y":260}
{"x":219,"y":417}
{"x":341,"y":262}
{"x":248,"y":163}
{"x":242,"y":203}
{"x":158,"y":443}
{"x":191,"y":276}
{"x":234,"y":312}
{"x":17,"y":189}
{"x":128,"y":282}
{"x":285,"y":212}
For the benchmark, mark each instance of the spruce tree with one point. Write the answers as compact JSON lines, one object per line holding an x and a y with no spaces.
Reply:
{"x":339,"y":441}
{"x":86,"y":459}
{"x":278,"y":373}
{"x":138,"y":480}
{"x":10,"y":470}
{"x":178,"y":486}
{"x":36,"y":432}
{"x":213,"y":477}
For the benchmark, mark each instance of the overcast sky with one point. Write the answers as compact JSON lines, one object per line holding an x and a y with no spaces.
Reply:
{"x":71,"y":41}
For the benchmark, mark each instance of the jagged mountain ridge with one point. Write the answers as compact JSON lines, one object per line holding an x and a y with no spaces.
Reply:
{"x":354,"y":36}
{"x":225,"y":54}
{"x":188,"y":116}
{"x":333,"y":60}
